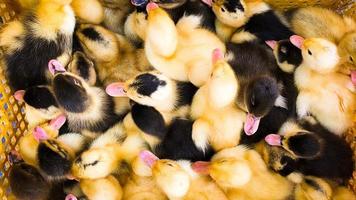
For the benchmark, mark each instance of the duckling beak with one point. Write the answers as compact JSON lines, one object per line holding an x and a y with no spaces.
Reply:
{"x":201,"y":167}
{"x":251,"y":124}
{"x":353,"y":77}
{"x":54,"y":67}
{"x":149,"y":158}
{"x":117,"y":89}
{"x":151,"y":6}
{"x":19,"y":95}
{"x":274,"y":139}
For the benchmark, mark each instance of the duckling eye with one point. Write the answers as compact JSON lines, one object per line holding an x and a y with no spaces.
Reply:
{"x":170,"y":164}
{"x":222,"y":9}
{"x":351,"y":59}
{"x":309,"y":52}
{"x":77,"y":82}
{"x":222,"y":161}
{"x":283,"y":50}
{"x":253,"y":100}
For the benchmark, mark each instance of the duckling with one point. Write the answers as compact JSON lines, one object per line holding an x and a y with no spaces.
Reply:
{"x":179,"y":181}
{"x":28,"y":144}
{"x":55,"y":156}
{"x":246,"y":21}
{"x":115,"y":14}
{"x":242,"y":174}
{"x":83,"y":67}
{"x":106,"y":153}
{"x":89,"y":109}
{"x":315,"y":150}
{"x":115,"y":58}
{"x":287,"y":55}
{"x":27,"y":183}
{"x":183,"y":51}
{"x":219,"y":121}
{"x":310,"y":22}
{"x":331,"y":26}
{"x":40,"y":104}
{"x":163,"y":101}
{"x":324,"y":93}
{"x":261,"y":90}
{"x":276,"y":158}
{"x":168,"y":98}
{"x":45,"y":31}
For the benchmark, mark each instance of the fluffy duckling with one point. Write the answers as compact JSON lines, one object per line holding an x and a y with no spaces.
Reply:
{"x":28,"y":144}
{"x":55,"y":156}
{"x":259,"y":92}
{"x":324,"y":93}
{"x":115,"y":58}
{"x":179,"y":181}
{"x":27,"y":183}
{"x":219,"y":121}
{"x":106,"y":153}
{"x":245,"y":21}
{"x":40,"y":104}
{"x":330,"y":25}
{"x":315,"y":151}
{"x":89,"y":109}
{"x":183,"y":51}
{"x":83,"y":67}
{"x":242,"y":174}
{"x":339,"y":29}
{"x":287,"y":55}
{"x":45,"y":31}
{"x":162,"y":100}
{"x":167,"y":97}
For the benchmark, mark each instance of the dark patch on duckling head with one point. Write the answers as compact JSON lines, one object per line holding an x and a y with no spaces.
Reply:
{"x":70,"y":93}
{"x":260,"y":96}
{"x":147,"y":84}
{"x":53,"y":159}
{"x":233,"y":5}
{"x":92,"y":34}
{"x":83,"y":66}
{"x":39,"y":97}
{"x":289,"y":53}
{"x":306,"y":145}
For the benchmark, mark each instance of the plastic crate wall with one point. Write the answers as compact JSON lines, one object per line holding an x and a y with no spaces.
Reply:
{"x":13,"y":124}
